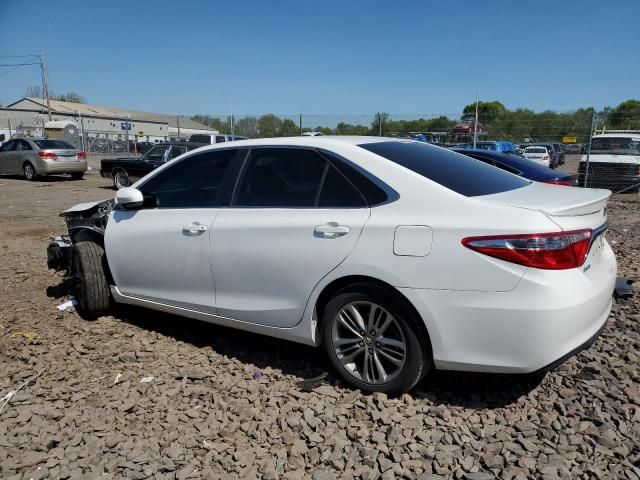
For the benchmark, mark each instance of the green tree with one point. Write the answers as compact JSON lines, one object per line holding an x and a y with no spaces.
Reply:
{"x":288,"y":128}
{"x":625,"y":116}
{"x":69,"y":97}
{"x":247,"y":127}
{"x":380,"y":124}
{"x":487,"y":111}
{"x":269,"y":126}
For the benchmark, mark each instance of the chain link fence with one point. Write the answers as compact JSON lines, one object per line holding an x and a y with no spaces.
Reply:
{"x":602,"y":148}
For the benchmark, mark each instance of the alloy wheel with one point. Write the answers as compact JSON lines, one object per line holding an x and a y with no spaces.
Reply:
{"x":369,"y":342}
{"x":29,"y":172}
{"x":121,"y":179}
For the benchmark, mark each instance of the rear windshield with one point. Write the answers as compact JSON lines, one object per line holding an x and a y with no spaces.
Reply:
{"x":615,"y":145}
{"x":50,"y":144}
{"x":535,"y":150}
{"x":454,"y":171}
{"x":200,"y":138}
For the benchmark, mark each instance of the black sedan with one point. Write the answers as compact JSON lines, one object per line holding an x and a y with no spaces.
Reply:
{"x":124,"y":171}
{"x":521,"y":166}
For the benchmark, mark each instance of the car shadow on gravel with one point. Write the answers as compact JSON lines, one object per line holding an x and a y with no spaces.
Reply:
{"x":469,"y":390}
{"x":41,"y":179}
{"x":464,"y":389}
{"x":476,"y":390}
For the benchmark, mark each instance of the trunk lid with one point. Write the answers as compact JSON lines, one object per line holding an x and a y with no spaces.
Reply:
{"x":570,"y":208}
{"x":64,"y":155}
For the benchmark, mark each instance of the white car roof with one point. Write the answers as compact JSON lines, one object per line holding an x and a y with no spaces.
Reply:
{"x":634,"y":136}
{"x":314,"y":141}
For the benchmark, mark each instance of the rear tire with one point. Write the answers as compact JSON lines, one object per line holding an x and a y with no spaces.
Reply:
{"x":29,"y":172}
{"x":90,"y":282}
{"x":121,"y":179}
{"x":392,"y":359}
{"x":77,"y":175}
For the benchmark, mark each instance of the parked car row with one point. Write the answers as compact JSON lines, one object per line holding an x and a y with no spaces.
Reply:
{"x":397,"y":257}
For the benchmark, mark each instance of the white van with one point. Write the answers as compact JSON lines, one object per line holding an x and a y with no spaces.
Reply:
{"x":614,"y":162}
{"x":210,"y":139}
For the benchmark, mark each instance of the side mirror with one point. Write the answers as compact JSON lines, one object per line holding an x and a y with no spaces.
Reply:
{"x":129,"y":198}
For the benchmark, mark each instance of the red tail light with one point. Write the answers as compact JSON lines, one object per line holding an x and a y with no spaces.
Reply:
{"x":548,"y":251}
{"x":47,"y":155}
{"x":82,"y":155}
{"x":567,"y":183}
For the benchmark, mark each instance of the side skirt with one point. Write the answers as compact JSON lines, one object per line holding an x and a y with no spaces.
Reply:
{"x":301,"y":333}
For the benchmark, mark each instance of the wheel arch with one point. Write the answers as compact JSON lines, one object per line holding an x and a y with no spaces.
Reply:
{"x":341,"y":283}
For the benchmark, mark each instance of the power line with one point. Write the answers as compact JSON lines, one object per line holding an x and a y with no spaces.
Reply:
{"x":19,"y":56}
{"x":17,"y":64}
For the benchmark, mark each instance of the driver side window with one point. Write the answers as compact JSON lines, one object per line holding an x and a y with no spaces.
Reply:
{"x":199,"y":181}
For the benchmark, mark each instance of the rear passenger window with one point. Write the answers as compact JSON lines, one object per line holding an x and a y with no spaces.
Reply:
{"x":278,"y":177}
{"x":338,"y":192}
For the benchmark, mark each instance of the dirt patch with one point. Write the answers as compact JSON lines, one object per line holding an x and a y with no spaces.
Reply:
{"x":146,"y":395}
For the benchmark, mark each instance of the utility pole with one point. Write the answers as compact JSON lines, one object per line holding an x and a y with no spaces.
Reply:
{"x":45,"y":83}
{"x":178,"y":119}
{"x":300,"y":124}
{"x":475,"y":123}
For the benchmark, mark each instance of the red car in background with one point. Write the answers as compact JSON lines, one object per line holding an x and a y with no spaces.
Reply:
{"x":466,"y":126}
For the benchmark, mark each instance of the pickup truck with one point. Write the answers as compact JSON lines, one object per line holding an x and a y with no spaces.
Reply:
{"x":123,"y":171}
{"x":614,"y":162}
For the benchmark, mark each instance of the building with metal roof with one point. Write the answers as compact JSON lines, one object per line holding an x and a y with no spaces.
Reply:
{"x":32,"y":113}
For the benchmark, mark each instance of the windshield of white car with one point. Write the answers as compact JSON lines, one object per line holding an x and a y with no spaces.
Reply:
{"x":464,"y":175}
{"x":53,"y":144}
{"x":615,"y":146}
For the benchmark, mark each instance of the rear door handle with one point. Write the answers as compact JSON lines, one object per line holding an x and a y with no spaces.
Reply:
{"x":194,"y":228}
{"x":331,"y":230}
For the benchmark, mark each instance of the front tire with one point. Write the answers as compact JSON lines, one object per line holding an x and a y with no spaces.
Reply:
{"x":374,"y":340}
{"x":29,"y":172}
{"x":90,"y":281}
{"x":121,"y":179}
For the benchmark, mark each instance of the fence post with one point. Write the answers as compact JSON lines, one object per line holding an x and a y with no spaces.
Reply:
{"x":300,"y":124}
{"x":379,"y":124}
{"x":586,"y":167}
{"x":9,"y":122}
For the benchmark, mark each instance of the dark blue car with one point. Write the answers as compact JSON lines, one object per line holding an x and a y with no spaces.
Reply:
{"x":521,"y":166}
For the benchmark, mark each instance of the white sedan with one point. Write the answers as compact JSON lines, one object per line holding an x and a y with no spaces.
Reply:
{"x":396,"y":256}
{"x":538,"y":154}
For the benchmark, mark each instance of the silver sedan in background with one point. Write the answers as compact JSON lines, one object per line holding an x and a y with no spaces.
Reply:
{"x":32,"y":157}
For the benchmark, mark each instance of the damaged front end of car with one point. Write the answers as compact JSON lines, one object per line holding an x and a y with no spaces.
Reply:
{"x":85,"y":222}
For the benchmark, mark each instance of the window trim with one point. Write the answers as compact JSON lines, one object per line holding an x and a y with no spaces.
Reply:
{"x":318,"y":152}
{"x":168,"y":165}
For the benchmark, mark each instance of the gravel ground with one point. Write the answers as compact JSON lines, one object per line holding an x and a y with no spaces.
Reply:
{"x":145,"y":395}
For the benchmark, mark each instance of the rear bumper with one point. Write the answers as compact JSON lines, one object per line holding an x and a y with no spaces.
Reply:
{"x":45,"y":168}
{"x":545,"y":319}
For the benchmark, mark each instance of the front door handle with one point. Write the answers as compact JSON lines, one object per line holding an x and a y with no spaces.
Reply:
{"x":330,"y":230}
{"x":194,"y":228}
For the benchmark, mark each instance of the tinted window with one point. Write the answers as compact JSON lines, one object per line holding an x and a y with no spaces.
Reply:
{"x":220,"y":139}
{"x":277,"y":177}
{"x":52,"y":144}
{"x":336,"y":191}
{"x":156,"y":154}
{"x":22,"y":145}
{"x":202,"y":180}
{"x":9,"y":146}
{"x":452,"y":170}
{"x":176,"y":152}
{"x":200,"y":138}
{"x":374,"y":193}
{"x":616,"y":145}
